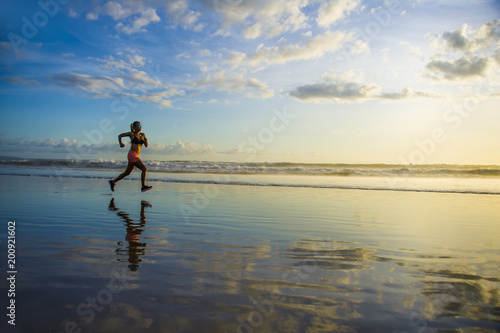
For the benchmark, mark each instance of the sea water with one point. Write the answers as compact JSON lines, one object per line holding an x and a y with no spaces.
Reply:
{"x":424,"y":178}
{"x":221,"y":252}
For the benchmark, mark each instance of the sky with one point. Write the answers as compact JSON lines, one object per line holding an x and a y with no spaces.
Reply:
{"x":306,"y":81}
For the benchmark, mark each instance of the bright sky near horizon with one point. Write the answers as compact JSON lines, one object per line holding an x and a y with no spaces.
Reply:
{"x":330,"y":81}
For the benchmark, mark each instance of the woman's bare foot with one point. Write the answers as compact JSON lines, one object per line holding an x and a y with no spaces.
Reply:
{"x":146,"y":188}
{"x":112,"y":185}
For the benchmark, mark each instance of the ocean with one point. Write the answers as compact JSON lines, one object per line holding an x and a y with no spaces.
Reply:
{"x":251,"y":248}
{"x":393,"y":177}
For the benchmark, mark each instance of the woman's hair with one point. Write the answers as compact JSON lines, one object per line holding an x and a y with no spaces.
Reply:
{"x":133,"y":124}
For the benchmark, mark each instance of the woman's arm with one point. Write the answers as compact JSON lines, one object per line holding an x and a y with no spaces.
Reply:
{"x":129,"y":134}
{"x":146,"y":143}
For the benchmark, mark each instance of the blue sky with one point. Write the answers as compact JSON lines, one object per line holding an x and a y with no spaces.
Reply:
{"x":343,"y":81}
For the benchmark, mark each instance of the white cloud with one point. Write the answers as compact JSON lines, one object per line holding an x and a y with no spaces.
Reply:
{"x":335,"y":10}
{"x":111,"y":63}
{"x":73,"y":149}
{"x":100,"y":86}
{"x":183,"y":55}
{"x":205,"y":53}
{"x":68,"y":55}
{"x":135,"y":86}
{"x":261,"y":18}
{"x":128,"y":62}
{"x":116,"y":11}
{"x":478,"y":49}
{"x":92,"y":16}
{"x":146,"y":17}
{"x":345,"y":88}
{"x":457,"y":39}
{"x":181,"y":148}
{"x":193,"y":148}
{"x":461,"y":68}
{"x":359,"y":47}
{"x":406,"y":93}
{"x":205,"y":68}
{"x":72,"y":13}
{"x":313,"y":48}
{"x":334,"y":92}
{"x":128,"y":79}
{"x":190,"y":19}
{"x":136,"y":60}
{"x":236,"y":58}
{"x":49,"y":145}
{"x":142,"y":78}
{"x":65,"y":146}
{"x":161,"y":98}
{"x":166,"y":104}
{"x":84,"y":150}
{"x":252,"y":87}
{"x":132,"y":16}
{"x":180,"y":13}
{"x":466,"y":39}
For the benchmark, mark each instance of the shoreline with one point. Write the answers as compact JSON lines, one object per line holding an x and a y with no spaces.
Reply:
{"x":479,"y":186}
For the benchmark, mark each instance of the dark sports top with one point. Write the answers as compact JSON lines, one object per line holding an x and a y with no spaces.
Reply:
{"x":136,"y":140}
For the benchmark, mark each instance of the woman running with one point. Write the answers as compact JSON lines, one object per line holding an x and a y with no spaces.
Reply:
{"x":134,"y":160}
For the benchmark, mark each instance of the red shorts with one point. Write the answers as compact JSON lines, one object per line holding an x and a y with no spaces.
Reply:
{"x":133,"y":156}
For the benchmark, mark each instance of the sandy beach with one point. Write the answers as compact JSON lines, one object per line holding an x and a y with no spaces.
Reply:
{"x":308,"y":166}
{"x":226,"y":258}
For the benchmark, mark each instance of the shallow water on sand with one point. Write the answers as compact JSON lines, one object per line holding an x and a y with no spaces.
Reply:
{"x":215,"y":258}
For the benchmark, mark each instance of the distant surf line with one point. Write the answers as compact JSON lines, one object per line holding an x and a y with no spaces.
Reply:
{"x":271,"y":168}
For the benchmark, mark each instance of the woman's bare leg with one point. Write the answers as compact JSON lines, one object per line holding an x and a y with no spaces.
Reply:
{"x":125,"y":173}
{"x":144,"y":170}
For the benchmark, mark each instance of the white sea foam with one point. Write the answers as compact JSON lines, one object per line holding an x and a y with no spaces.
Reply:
{"x":345,"y":170}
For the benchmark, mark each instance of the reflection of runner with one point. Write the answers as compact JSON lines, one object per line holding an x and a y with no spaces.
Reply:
{"x":134,"y":160}
{"x":135,"y":249}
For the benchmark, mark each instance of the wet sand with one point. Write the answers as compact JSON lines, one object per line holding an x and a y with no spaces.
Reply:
{"x":219,"y":258}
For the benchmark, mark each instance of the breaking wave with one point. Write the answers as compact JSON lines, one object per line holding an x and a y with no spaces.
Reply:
{"x":342,"y":170}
